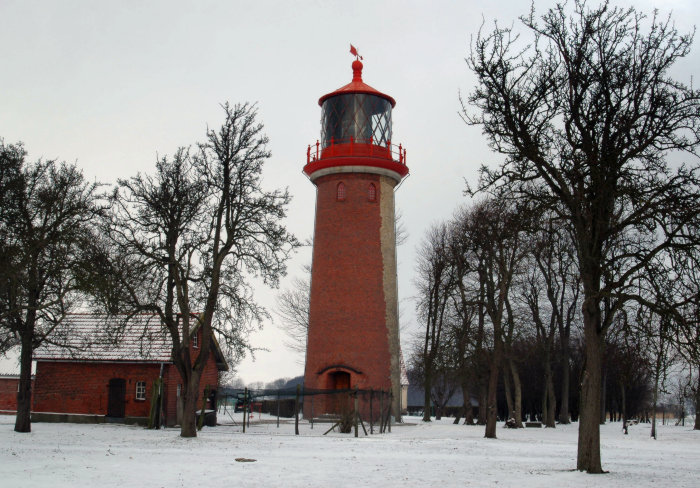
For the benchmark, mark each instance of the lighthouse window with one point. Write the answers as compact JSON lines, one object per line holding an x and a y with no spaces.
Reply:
{"x":356,"y":117}
{"x":372,"y":193}
{"x":340,"y":195}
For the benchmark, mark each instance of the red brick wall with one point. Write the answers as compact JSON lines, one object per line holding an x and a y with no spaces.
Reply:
{"x":8,"y":393}
{"x":82,"y":388}
{"x":347,"y":320}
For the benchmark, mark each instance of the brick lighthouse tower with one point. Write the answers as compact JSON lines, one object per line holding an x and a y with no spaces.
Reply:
{"x":353,"y":335}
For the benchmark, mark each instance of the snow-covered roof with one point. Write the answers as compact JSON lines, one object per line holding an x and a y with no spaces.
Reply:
{"x":9,"y":363}
{"x":95,"y":337}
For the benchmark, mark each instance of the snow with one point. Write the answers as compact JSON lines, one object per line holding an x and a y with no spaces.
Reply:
{"x":433,"y":454}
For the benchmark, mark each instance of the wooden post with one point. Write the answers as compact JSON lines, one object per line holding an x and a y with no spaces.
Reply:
{"x":312,"y":413}
{"x":381,"y":411}
{"x":362,"y":423}
{"x":296,"y":412}
{"x":371,"y":427}
{"x":357,"y":412}
{"x":391,"y":402}
{"x":245,"y":406}
{"x":278,"y":404}
{"x":153,"y":414}
{"x":250,"y":407}
{"x":332,"y":427}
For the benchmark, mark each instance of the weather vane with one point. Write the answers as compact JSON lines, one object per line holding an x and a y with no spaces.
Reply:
{"x":353,"y":51}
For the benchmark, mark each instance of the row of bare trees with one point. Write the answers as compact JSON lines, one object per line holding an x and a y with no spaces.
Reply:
{"x":488,"y":281}
{"x":180,"y":242}
{"x":499,"y":300}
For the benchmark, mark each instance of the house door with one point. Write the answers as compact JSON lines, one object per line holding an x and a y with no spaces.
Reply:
{"x":116,"y":401}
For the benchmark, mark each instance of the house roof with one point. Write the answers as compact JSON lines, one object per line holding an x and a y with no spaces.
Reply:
{"x":96,"y":337}
{"x":9,"y":363}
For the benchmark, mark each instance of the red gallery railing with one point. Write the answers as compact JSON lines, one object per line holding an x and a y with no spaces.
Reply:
{"x":355,"y":147}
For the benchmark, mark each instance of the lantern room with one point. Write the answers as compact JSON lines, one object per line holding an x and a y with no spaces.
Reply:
{"x":362,"y":116}
{"x":356,"y":122}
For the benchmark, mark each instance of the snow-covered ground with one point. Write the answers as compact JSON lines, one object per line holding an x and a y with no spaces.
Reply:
{"x":438,"y":454}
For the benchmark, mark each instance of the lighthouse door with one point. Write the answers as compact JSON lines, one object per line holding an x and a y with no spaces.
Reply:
{"x":341,"y":380}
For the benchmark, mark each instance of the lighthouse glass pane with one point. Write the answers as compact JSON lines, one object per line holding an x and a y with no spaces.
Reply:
{"x":359,"y":116}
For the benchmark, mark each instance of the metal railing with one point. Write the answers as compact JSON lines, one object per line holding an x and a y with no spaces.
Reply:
{"x":355,"y":147}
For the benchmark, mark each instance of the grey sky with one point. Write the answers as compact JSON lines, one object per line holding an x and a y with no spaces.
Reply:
{"x":109,"y":85}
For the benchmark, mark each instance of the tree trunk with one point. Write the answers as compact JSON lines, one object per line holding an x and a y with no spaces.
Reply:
{"x":466,"y":398}
{"x":426,"y":399}
{"x":492,"y":397}
{"x":517,"y":395}
{"x":656,"y":399}
{"x":588,"y":457}
{"x":188,"y":425}
{"x":623,"y":396}
{"x":697,"y":405}
{"x":603,"y":390}
{"x":564,"y":412}
{"x":24,"y":395}
{"x":508,"y":392}
{"x":483,"y":395}
{"x":550,"y":398}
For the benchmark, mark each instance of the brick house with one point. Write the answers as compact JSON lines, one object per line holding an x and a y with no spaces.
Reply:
{"x":9,"y":380}
{"x":106,"y":367}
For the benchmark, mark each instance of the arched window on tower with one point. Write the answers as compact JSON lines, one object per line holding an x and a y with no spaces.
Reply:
{"x":372,"y":193}
{"x":340,"y":194}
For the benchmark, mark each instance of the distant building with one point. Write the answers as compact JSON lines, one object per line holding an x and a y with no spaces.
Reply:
{"x":454,"y":405}
{"x":106,"y":368}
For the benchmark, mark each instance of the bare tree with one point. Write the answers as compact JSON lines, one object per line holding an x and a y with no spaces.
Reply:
{"x":293,"y":311}
{"x":47,"y":211}
{"x":497,"y":232}
{"x":435,"y":282}
{"x":188,"y":235}
{"x":586,"y":116}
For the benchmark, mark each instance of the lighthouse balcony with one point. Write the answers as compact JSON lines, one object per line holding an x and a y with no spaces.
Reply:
{"x":356,"y":153}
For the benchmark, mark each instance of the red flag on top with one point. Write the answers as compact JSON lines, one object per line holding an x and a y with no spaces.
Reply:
{"x":353,"y":51}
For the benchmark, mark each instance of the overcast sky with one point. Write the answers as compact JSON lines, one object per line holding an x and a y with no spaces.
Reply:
{"x":110,"y":85}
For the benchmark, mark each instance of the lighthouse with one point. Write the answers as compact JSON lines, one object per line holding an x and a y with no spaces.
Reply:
{"x":353,"y":333}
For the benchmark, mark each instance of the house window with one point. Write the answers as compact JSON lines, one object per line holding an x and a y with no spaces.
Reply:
{"x":140,"y":390}
{"x":195,"y":340}
{"x":372,"y":193}
{"x":340,"y":195}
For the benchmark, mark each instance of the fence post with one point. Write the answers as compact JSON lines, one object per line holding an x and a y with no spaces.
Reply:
{"x":371,"y":413}
{"x":296,"y":412}
{"x":357,"y":412}
{"x":278,"y":409}
{"x":312,"y":413}
{"x":245,"y":405}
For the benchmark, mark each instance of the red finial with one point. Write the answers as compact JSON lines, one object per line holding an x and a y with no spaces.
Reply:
{"x":357,"y":70}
